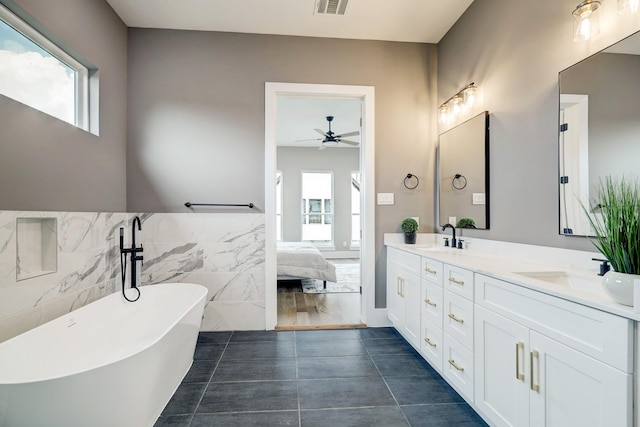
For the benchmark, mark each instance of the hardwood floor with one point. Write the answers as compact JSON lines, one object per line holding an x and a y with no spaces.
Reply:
{"x":298,"y":310}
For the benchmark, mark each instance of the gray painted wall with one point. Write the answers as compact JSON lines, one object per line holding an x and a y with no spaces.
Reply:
{"x":47,"y":164}
{"x":292,"y":162}
{"x":196,"y":117}
{"x":514,"y":54}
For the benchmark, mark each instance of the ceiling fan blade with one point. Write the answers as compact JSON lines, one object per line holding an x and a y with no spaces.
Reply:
{"x":307,"y":140}
{"x":353,"y":143}
{"x":354,"y":133}
{"x":321,"y":132}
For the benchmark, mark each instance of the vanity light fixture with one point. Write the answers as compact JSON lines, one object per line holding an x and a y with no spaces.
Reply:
{"x":458,"y":103}
{"x":630,"y":6}
{"x":586,"y":20}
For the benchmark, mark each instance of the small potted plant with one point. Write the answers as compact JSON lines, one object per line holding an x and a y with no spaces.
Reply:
{"x":466,"y":223}
{"x":409,"y":227}
{"x":615,"y":218}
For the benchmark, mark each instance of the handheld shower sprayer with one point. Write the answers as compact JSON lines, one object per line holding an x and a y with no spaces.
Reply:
{"x":133,"y":250}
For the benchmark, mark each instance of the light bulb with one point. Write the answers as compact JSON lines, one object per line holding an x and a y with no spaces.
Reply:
{"x":586,"y":20}
{"x":628,"y":5}
{"x":456,"y":106}
{"x":443,"y":114}
{"x":470,"y":97}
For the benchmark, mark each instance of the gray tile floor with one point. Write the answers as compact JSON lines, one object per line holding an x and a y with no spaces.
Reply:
{"x":355,"y":377}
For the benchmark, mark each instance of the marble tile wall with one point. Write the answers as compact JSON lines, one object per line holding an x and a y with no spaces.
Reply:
{"x":224,"y":252}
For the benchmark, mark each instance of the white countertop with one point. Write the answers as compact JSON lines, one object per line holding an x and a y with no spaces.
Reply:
{"x":503,"y":260}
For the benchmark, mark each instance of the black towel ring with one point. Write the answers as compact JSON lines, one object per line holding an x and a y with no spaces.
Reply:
{"x":409,"y":177}
{"x":456,"y":178}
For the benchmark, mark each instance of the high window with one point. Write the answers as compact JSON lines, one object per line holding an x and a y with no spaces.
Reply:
{"x":317,"y":207}
{"x":40,"y":74}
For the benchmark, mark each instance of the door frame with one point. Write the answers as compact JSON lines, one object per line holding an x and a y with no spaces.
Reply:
{"x":369,"y":314}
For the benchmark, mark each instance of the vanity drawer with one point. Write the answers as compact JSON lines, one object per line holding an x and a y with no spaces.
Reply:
{"x":432,"y":271}
{"x":458,"y":318}
{"x":603,"y":336}
{"x":459,"y":280}
{"x":431,"y":345}
{"x":406,"y":261}
{"x":432,"y":303}
{"x":458,"y":367}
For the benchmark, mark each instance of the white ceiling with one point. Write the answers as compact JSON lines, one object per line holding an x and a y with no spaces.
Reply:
{"x":424,"y":21}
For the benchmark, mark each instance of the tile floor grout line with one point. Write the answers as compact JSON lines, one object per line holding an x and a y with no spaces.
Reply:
{"x":193,"y":415}
{"x":386,"y":384}
{"x":295,"y":355}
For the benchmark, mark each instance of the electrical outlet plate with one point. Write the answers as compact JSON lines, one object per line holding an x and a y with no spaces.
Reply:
{"x":385,"y":198}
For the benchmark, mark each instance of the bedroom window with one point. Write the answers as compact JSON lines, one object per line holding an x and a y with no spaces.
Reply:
{"x":317,"y":207}
{"x":279,"y":206}
{"x":355,"y":209}
{"x":38,"y":73}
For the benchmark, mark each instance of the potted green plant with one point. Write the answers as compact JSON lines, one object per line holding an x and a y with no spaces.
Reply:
{"x":409,"y":227}
{"x":615,"y":218}
{"x":466,"y":223}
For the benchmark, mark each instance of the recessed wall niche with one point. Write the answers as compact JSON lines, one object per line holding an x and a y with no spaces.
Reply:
{"x":36,"y":247}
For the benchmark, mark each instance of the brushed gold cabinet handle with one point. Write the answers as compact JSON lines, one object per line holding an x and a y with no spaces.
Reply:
{"x":535,"y":355}
{"x":519,"y":346}
{"x":431,"y":303}
{"x":453,"y":363}
{"x":428,"y":270}
{"x":453,"y":316}
{"x":432,"y":344}
{"x":456,"y":281}
{"x":402,"y":287}
{"x":398,"y":286}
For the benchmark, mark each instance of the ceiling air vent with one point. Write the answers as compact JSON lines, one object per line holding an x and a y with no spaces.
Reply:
{"x":331,"y":7}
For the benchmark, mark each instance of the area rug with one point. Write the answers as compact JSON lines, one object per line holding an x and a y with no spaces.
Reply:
{"x":348,"y":276}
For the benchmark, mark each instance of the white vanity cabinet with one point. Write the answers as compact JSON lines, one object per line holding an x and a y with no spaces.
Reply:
{"x":544,"y":361}
{"x":403,"y":293}
{"x":431,"y":340}
{"x":458,"y":324}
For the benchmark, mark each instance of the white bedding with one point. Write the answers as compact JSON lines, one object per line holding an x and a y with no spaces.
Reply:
{"x":299,"y":259}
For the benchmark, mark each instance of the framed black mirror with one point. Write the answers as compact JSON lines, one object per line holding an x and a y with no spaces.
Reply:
{"x":599,"y":134}
{"x":463,"y":171}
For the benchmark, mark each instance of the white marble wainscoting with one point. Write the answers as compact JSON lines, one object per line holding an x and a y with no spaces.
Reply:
{"x":224,"y":252}
{"x":85,"y":269}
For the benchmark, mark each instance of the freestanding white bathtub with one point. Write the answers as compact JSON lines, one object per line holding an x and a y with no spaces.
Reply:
{"x":109,"y":363}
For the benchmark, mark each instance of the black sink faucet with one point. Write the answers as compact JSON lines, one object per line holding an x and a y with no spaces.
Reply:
{"x":453,"y":231}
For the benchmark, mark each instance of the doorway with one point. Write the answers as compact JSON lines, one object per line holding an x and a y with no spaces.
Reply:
{"x":365,"y":96}
{"x":318,"y":212}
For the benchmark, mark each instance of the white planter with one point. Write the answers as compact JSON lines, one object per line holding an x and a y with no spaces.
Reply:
{"x":619,"y":286}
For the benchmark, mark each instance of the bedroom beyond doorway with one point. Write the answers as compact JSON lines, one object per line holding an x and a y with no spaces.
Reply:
{"x":306,"y":304}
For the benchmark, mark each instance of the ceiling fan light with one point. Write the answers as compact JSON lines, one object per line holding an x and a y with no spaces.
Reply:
{"x":330,"y":142}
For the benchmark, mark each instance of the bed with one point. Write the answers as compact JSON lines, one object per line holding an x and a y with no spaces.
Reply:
{"x":300,"y":260}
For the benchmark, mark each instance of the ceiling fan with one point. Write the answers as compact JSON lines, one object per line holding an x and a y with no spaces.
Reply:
{"x":330,"y":139}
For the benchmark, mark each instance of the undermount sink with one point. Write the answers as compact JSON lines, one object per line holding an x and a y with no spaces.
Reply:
{"x":574,"y":281}
{"x":433,"y":248}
